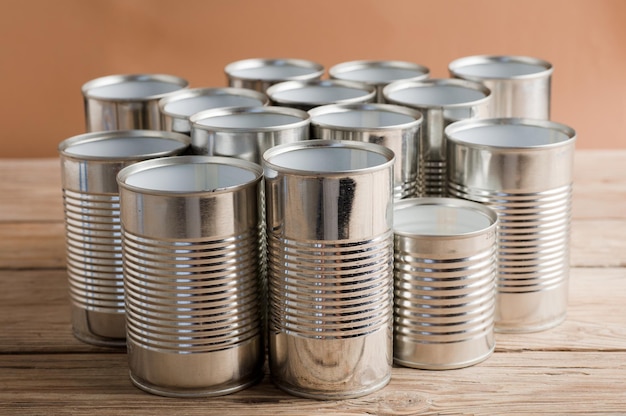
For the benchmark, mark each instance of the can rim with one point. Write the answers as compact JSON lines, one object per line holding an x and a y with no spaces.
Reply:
{"x":304,"y":117}
{"x":369,"y":91}
{"x":184,"y":94}
{"x":455,"y":66}
{"x":339,"y":70}
{"x":317,"y":69}
{"x":96,"y":136}
{"x":470,"y":85}
{"x":344,"y":108}
{"x":121,"y":78}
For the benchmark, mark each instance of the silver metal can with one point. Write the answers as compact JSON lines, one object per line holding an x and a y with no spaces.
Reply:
{"x":306,"y":95}
{"x":260,"y":73}
{"x":89,"y":165}
{"x":445,"y":269}
{"x":521,"y":168}
{"x":520,"y":85}
{"x":121,"y":102}
{"x":178,"y":106}
{"x":441,"y":102}
{"x":193,"y":274}
{"x":378,"y":73}
{"x":392,"y":126}
{"x":247,"y":132}
{"x":330,"y":259}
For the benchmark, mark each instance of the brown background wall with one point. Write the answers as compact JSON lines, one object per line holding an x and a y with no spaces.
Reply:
{"x":49,"y":48}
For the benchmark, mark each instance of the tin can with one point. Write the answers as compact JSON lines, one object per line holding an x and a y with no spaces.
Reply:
{"x":330,"y":259}
{"x":259,"y":73}
{"x":441,"y":102}
{"x":89,"y":165}
{"x":192,"y":253}
{"x":121,"y":102}
{"x":306,"y":95}
{"x":445,"y":269}
{"x":520,"y":85}
{"x":378,"y":73}
{"x":178,"y":106}
{"x":522,"y":169}
{"x":392,"y":126}
{"x":246,"y":132}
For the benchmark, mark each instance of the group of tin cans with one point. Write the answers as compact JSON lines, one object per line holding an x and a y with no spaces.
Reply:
{"x":333,"y":225}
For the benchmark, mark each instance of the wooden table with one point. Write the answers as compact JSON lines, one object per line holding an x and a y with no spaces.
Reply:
{"x":576,"y":368}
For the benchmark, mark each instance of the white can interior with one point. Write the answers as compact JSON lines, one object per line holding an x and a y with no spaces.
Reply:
{"x":510,"y":135}
{"x":188,"y":106}
{"x":499,"y":69}
{"x":438,"y":220}
{"x":437,"y":94}
{"x":123,"y":147}
{"x":318,"y":94}
{"x":378,"y":74}
{"x":251,"y":120}
{"x":133,"y":89}
{"x":327,"y":159}
{"x":271,"y":72}
{"x":362,"y":119}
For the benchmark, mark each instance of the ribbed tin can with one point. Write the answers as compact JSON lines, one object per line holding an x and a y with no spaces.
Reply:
{"x":520,"y":85}
{"x":178,"y":106}
{"x":128,"y":101}
{"x":378,"y":73}
{"x":441,"y":102}
{"x":445,"y":269}
{"x":247,"y":132}
{"x":306,"y":95}
{"x":392,"y":126}
{"x":260,"y":73}
{"x":193,"y":274}
{"x":89,"y":165}
{"x":330,"y":260}
{"x":522,"y":169}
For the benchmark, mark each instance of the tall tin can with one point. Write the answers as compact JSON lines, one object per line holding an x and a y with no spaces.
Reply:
{"x":89,"y":165}
{"x":445,"y":269}
{"x":522,"y":169}
{"x":193,"y":274}
{"x":306,"y":95}
{"x":330,"y":259}
{"x":129,"y":101}
{"x":520,"y":85}
{"x":392,"y":126}
{"x":441,"y":102}
{"x":179,"y":106}
{"x":260,"y":73}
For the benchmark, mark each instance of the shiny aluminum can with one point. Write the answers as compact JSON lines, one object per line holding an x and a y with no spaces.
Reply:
{"x":392,"y":126}
{"x":378,"y":73}
{"x":260,"y":73}
{"x":445,"y":269}
{"x":306,"y":95}
{"x":441,"y":102}
{"x":89,"y":165}
{"x":330,"y":259}
{"x":246,"y":132}
{"x":522,"y":169}
{"x":121,"y":102}
{"x":193,"y":274}
{"x":520,"y":85}
{"x":178,"y":106}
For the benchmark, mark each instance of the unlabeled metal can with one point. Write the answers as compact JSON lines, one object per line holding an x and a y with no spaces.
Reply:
{"x":178,"y":106}
{"x":192,"y":228}
{"x":306,"y":95}
{"x":521,"y":168}
{"x":445,"y":268}
{"x":259,"y":73}
{"x":121,"y":102}
{"x":378,"y":73}
{"x":441,"y":102}
{"x":89,"y":165}
{"x":247,"y":132}
{"x":520,"y":85}
{"x":330,"y":259}
{"x":392,"y":126}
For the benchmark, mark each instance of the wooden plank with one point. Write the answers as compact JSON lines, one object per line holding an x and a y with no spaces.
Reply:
{"x":521,"y":382}
{"x":32,"y":245}
{"x":598,"y":243}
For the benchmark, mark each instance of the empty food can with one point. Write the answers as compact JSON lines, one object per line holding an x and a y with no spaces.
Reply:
{"x":520,"y":85}
{"x":330,"y":260}
{"x":441,"y":102}
{"x":445,"y":268}
{"x":178,"y":106}
{"x":378,"y":73}
{"x":392,"y":126}
{"x":522,"y":169}
{"x":259,"y":73}
{"x":246,"y":132}
{"x":306,"y":95}
{"x":121,"y":102}
{"x":193,"y":274}
{"x":89,"y":165}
